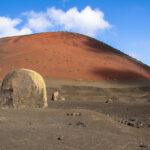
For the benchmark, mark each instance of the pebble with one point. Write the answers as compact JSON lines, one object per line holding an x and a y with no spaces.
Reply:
{"x":74,"y":114}
{"x":144,"y":145}
{"x":60,"y":138}
{"x":133,"y":119}
{"x":108,"y":100}
{"x":69,"y":124}
{"x":79,"y":123}
{"x":133,"y":122}
{"x":78,"y":114}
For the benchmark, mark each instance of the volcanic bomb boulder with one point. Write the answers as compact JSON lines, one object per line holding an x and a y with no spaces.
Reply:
{"x":23,"y":88}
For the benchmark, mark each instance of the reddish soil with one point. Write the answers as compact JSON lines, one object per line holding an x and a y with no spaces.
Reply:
{"x":65,"y":55}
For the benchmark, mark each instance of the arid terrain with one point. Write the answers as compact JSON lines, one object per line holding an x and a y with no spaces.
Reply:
{"x":107,"y":95}
{"x":66,"y":55}
{"x":84,"y":120}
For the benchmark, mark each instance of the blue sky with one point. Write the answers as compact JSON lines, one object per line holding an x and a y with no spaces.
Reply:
{"x":123,"y":24}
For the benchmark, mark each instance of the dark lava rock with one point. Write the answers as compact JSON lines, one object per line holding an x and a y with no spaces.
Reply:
{"x":108,"y":100}
{"x":60,"y":138}
{"x":133,"y":122}
{"x":78,"y":114}
{"x":144,"y":145}
{"x":79,"y":123}
{"x":133,"y":119}
{"x":69,"y":124}
{"x":74,"y":114}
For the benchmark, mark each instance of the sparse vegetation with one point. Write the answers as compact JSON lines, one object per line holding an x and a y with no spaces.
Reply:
{"x":78,"y":79}
{"x":26,"y":59}
{"x":78,"y":70}
{"x":37,"y":61}
{"x":50,"y":59}
{"x":30,"y":61}
{"x":48,"y":76}
{"x":12,"y":68}
{"x":3,"y":50}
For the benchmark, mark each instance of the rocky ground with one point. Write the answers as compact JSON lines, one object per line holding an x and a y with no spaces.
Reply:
{"x":94,"y":116}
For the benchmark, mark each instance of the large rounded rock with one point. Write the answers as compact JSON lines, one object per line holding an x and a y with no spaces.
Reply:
{"x":23,"y":88}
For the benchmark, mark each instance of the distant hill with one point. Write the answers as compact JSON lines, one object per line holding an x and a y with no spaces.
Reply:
{"x":67,"y":55}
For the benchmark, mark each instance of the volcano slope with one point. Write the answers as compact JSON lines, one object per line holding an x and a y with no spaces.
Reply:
{"x":65,"y":55}
{"x":83,"y":71}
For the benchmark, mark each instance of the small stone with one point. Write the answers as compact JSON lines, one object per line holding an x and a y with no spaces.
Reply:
{"x":60,"y":138}
{"x":74,"y":114}
{"x":79,"y":123}
{"x":78,"y":114}
{"x":30,"y":123}
{"x":125,"y":122}
{"x":133,"y":119}
{"x":68,"y":114}
{"x":140,"y":124}
{"x":69,"y":124}
{"x":62,"y":98}
{"x":144,"y":145}
{"x":55,"y":95}
{"x":108,"y":100}
{"x":130,"y":124}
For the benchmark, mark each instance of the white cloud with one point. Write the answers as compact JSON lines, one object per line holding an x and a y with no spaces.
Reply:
{"x":38,"y":21}
{"x":8,"y":27}
{"x":86,"y":21}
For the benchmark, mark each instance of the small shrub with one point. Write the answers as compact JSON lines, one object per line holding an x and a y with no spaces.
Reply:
{"x":50,"y":59}
{"x":48,"y":76}
{"x":37,"y":61}
{"x":12,"y":67}
{"x":4,"y":51}
{"x":79,"y":79}
{"x":30,"y":61}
